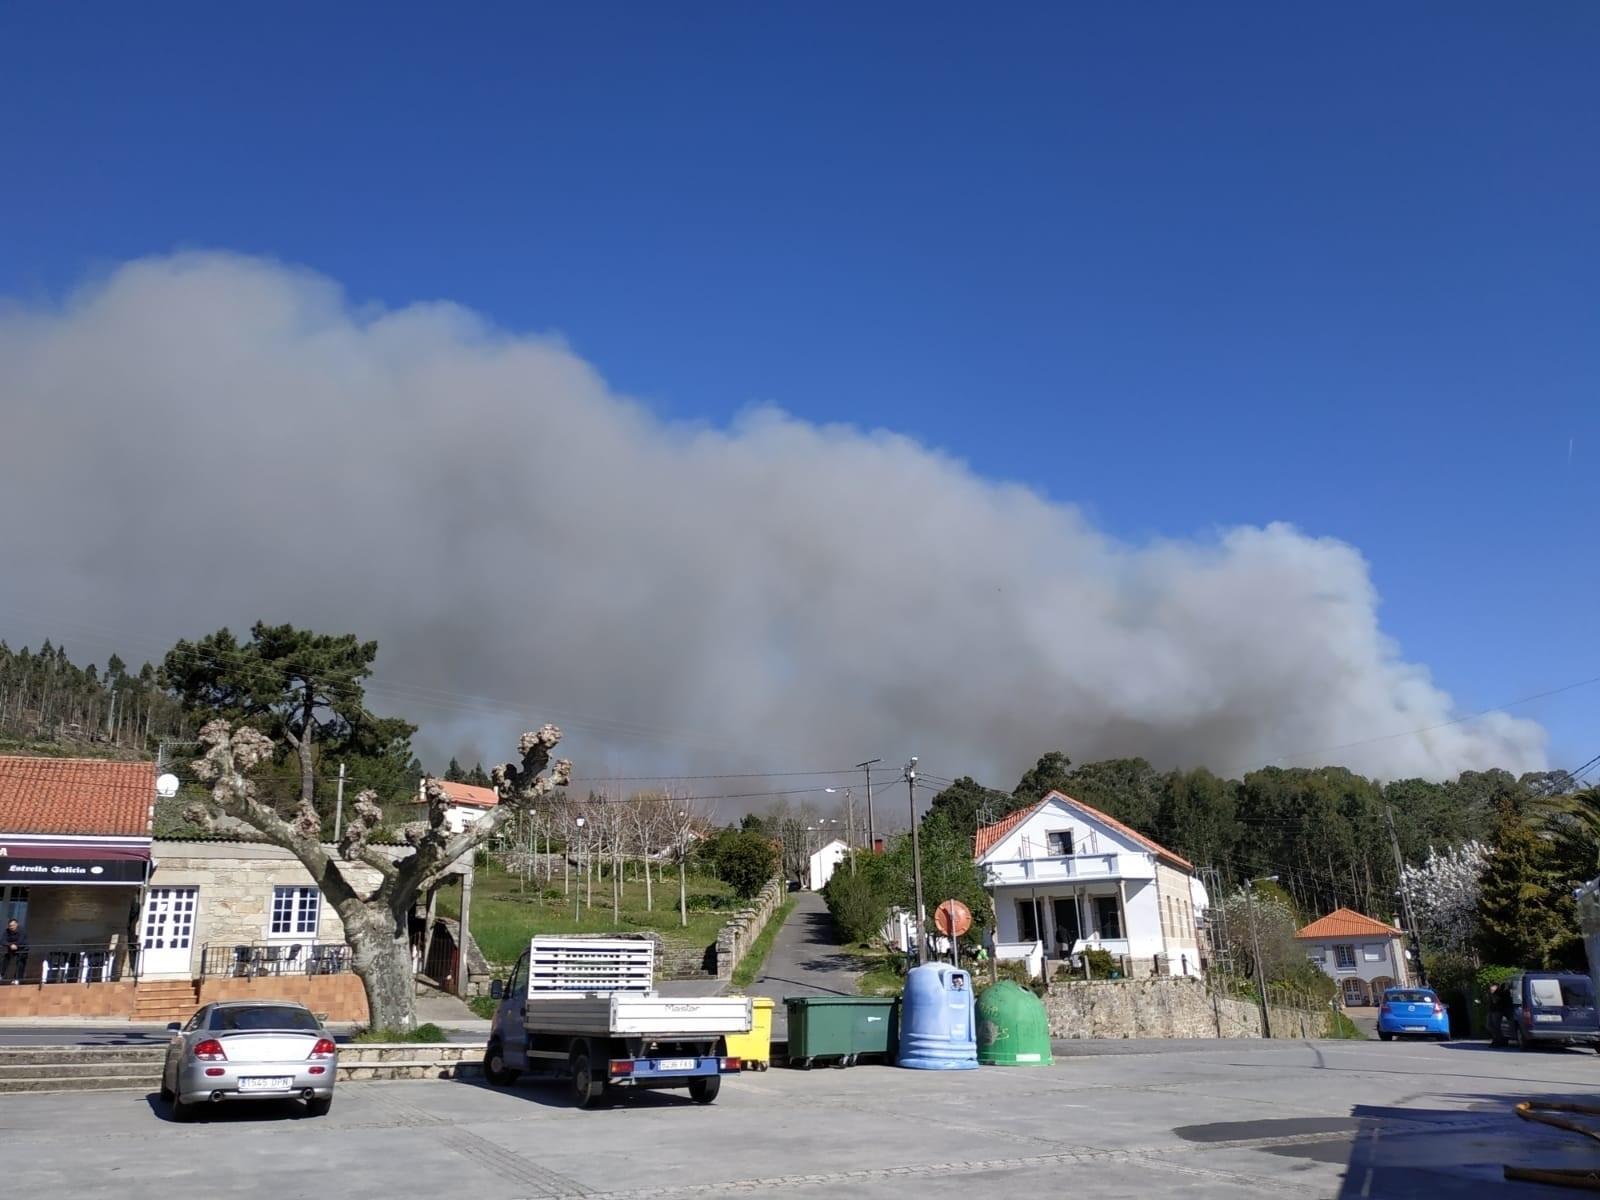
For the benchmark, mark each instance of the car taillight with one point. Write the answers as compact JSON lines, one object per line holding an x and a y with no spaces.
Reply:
{"x":1438,"y":1009}
{"x":622,"y":1066}
{"x":1384,"y":1007}
{"x":210,"y":1050}
{"x":732,"y":1064}
{"x":323,"y":1049}
{"x":1527,"y":1017}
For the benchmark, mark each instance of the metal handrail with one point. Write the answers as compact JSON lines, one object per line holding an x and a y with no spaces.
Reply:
{"x":68,"y":962}
{"x":250,"y":960}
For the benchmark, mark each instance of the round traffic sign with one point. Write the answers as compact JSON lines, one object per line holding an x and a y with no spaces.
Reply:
{"x":952,"y":918}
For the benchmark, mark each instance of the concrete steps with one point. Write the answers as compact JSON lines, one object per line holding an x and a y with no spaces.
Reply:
{"x":117,"y":1068}
{"x":156,"y":1002}
{"x":79,"y":1068}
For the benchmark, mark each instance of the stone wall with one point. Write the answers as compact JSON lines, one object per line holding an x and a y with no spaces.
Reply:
{"x":1166,"y":1008}
{"x":67,"y":1000}
{"x":341,"y":996}
{"x":744,"y":927}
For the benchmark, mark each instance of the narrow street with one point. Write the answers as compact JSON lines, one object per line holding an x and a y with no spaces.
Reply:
{"x":806,"y":960}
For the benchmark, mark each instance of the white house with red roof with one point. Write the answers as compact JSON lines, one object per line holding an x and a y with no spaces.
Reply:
{"x":1067,"y":878}
{"x":1360,"y":953}
{"x":468,"y":802}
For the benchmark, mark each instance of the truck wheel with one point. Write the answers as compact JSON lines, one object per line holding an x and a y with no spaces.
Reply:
{"x":586,"y":1089}
{"x":494,"y":1066}
{"x":704,"y":1090}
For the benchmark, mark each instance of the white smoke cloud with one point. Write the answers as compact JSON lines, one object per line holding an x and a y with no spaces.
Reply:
{"x":208,"y":439}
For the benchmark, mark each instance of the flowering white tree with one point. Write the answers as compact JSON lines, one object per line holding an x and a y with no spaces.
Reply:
{"x":1443,"y":893}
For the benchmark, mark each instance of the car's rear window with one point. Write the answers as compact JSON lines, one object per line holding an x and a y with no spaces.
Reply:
{"x":1411,"y":997}
{"x":1561,"y":993}
{"x":262,"y":1018}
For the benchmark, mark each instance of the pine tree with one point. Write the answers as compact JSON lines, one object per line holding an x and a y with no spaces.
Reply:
{"x":1526,"y":916}
{"x":454,"y":774}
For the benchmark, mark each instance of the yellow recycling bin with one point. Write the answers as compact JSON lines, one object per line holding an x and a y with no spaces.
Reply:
{"x":754,"y":1049}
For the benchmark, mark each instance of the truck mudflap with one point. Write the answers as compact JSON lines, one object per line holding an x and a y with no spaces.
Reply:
{"x":665,"y":1071}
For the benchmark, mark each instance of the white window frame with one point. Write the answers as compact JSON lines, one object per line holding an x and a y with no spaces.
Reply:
{"x":1339,"y":963}
{"x":1052,"y":834}
{"x":303,"y":902}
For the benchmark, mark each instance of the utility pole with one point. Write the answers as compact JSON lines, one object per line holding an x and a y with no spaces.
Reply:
{"x":916,"y":858}
{"x":872,"y":831}
{"x":338,"y":806}
{"x":1405,"y":897}
{"x":1255,"y":942}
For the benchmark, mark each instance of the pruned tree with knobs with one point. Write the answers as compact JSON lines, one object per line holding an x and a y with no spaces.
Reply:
{"x":376,"y":918}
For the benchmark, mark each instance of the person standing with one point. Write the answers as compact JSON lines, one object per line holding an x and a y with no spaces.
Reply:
{"x":14,"y":960}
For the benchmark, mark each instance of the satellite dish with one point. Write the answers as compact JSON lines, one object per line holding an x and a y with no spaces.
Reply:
{"x":167,"y":786}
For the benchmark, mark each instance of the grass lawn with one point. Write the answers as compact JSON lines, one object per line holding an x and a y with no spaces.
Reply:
{"x":504,"y":916}
{"x":880,"y":972}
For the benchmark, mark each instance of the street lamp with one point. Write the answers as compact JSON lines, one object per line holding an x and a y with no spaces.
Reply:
{"x":850,"y":817}
{"x":1255,"y":942}
{"x":916,"y":857}
{"x":577,"y":893}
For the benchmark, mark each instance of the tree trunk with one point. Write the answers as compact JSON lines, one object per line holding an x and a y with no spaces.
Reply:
{"x":380,"y":949}
{"x":649,"y":896}
{"x":683,"y":891}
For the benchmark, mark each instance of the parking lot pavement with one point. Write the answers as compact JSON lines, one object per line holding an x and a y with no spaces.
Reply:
{"x":1320,"y":1119}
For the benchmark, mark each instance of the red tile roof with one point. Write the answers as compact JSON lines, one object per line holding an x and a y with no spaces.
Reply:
{"x":989,"y":835}
{"x":1346,"y":922}
{"x":84,"y":796}
{"x":466,"y":793}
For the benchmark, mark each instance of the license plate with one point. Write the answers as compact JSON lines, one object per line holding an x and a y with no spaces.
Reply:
{"x":1416,"y":1028}
{"x":1550,"y":1017}
{"x":268,"y":1083}
{"x":677,"y":1064}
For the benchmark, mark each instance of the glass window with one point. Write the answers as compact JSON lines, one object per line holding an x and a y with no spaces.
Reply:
{"x":14,"y":905}
{"x":1344,"y":958}
{"x":519,"y":977}
{"x":1027,"y":922}
{"x":295,"y":911}
{"x":1108,"y":910}
{"x":1059,"y":841}
{"x":245,"y":1018}
{"x":1410,"y":996}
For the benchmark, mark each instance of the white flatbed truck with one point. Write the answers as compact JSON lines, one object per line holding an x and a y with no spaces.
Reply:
{"x":587,"y":1006}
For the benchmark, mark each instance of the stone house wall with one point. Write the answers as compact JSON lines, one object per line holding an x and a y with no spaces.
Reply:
{"x":234,"y":901}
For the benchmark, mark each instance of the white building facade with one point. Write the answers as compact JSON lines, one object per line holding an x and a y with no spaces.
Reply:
{"x":1067,"y":878}
{"x":825,"y":862}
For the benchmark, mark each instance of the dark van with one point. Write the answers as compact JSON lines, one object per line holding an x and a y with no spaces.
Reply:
{"x":1544,"y":1006}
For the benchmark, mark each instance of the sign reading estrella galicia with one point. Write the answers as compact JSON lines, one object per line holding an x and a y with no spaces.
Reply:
{"x":20,"y":868}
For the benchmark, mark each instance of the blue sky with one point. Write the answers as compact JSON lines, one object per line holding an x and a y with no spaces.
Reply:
{"x":1187,"y":266}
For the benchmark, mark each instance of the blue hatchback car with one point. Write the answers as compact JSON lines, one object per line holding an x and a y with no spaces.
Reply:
{"x":1412,"y":1012}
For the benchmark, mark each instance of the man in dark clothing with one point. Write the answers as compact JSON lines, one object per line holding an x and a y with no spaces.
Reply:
{"x":13,"y":953}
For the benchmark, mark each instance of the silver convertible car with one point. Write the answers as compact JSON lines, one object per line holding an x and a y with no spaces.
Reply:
{"x":249,"y":1050}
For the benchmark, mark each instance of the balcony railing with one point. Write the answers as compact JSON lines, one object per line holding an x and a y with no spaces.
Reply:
{"x":64,"y":962}
{"x":254,"y":959}
{"x":1065,"y":868}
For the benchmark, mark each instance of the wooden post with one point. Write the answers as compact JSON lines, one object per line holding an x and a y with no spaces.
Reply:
{"x":427,"y":929}
{"x":461,"y":941}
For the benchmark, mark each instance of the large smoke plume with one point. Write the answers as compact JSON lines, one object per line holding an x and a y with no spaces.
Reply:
{"x":208,"y":439}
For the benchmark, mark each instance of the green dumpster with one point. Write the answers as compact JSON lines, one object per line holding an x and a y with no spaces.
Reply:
{"x":842,"y":1028}
{"x":1013,"y":1030}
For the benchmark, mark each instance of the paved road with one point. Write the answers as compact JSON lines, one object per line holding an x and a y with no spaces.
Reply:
{"x":806,"y":960}
{"x":1214,"y":1120}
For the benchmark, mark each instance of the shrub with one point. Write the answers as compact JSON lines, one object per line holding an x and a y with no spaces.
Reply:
{"x":745,"y":861}
{"x":422,"y":1033}
{"x":858,"y":908}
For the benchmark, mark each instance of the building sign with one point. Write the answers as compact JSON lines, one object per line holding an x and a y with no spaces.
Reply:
{"x":35,"y":863}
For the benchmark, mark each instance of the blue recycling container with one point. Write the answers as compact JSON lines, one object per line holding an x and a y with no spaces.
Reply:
{"x":938,"y":1027}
